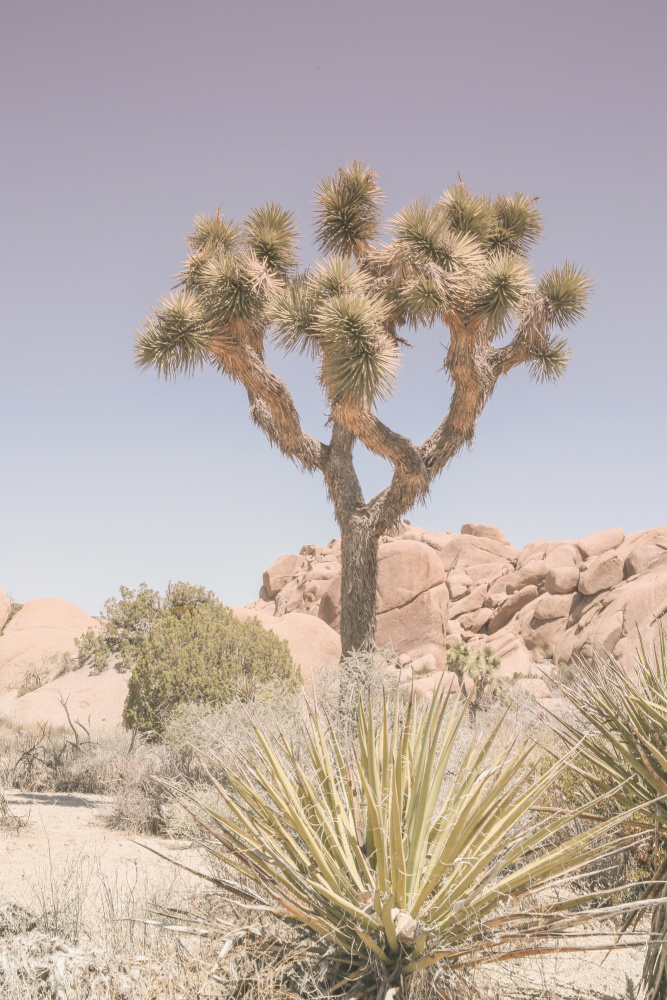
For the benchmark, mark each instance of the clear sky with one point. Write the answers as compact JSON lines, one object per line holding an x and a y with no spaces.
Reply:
{"x":121,"y":121}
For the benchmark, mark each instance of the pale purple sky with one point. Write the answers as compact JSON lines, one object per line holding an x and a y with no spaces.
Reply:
{"x":121,"y":121}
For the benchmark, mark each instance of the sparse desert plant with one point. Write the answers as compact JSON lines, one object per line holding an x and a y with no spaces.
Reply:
{"x":480,"y":667}
{"x":398,"y":859}
{"x":624,"y":750}
{"x":207,"y":655}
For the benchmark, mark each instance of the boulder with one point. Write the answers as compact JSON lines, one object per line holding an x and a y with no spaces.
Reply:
{"x":33,"y":642}
{"x":533,"y":686}
{"x":530,"y":574}
{"x":487,"y":572}
{"x":98,"y":697}
{"x":532,"y":551}
{"x":473,"y":602}
{"x":561,"y":580}
{"x":330,"y":604}
{"x":543,"y":637}
{"x":282,"y":570}
{"x":510,"y":607}
{"x":476,"y":620}
{"x":641,"y":559}
{"x":562,"y":556}
{"x":448,"y":554}
{"x":601,"y":573}
{"x":485,"y":531}
{"x":311,"y":641}
{"x":475,"y":543}
{"x":423,"y":665}
{"x":600,"y":542}
{"x":405,"y":570}
{"x":416,"y":624}
{"x":425,"y":687}
{"x":553,"y":606}
{"x":37,"y":636}
{"x":5,"y":609}
{"x":458,"y":584}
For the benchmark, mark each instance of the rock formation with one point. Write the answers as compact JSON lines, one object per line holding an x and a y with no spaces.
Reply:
{"x":537,"y":606}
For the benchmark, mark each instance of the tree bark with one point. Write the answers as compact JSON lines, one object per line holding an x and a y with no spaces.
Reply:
{"x":358,"y":585}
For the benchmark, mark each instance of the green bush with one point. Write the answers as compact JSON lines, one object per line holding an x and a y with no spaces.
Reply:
{"x":202,"y":654}
{"x":126,"y":621}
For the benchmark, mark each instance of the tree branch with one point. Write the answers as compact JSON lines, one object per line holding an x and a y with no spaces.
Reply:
{"x":342,"y":482}
{"x":271,"y":405}
{"x":382,"y":441}
{"x":532,"y":328}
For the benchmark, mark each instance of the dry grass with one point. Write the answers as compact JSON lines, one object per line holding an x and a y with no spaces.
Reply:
{"x":98,"y":938}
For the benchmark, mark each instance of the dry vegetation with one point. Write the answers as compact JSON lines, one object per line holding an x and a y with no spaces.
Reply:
{"x":83,"y":933}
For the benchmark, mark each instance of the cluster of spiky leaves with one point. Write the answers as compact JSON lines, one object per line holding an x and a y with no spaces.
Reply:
{"x":625,"y":743}
{"x":461,"y":260}
{"x":403,"y":856}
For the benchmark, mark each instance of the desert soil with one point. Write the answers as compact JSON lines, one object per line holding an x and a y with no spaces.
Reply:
{"x":66,"y":830}
{"x":65,"y":836}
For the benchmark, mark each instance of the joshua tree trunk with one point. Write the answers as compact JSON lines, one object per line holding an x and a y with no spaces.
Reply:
{"x":359,"y":557}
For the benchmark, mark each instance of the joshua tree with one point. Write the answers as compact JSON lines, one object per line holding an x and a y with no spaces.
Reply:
{"x":462,"y":261}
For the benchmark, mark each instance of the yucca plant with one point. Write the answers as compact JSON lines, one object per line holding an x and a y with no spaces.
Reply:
{"x":406,"y":854}
{"x":624,"y":750}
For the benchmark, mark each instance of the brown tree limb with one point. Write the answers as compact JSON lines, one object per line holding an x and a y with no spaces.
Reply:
{"x":271,"y":405}
{"x":381,"y":440}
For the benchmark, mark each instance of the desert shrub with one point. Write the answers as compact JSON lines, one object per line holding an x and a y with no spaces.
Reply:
{"x":400,"y":858}
{"x":128,"y":619}
{"x":206,"y":655}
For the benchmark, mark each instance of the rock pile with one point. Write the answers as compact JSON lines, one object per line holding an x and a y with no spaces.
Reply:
{"x":540,"y":605}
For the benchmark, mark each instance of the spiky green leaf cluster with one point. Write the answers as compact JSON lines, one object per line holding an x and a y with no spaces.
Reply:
{"x":175,"y":337}
{"x":270,"y":232}
{"x":461,"y":261}
{"x":400,"y":858}
{"x":625,"y":740}
{"x":550,"y":357}
{"x":502,"y":287}
{"x":348,"y":213}
{"x":359,"y":361}
{"x":566,"y":290}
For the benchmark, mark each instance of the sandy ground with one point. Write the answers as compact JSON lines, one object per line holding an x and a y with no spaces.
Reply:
{"x":65,"y":831}
{"x":65,"y":848}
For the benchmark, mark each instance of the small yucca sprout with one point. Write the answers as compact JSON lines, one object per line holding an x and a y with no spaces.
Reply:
{"x":348,"y":213}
